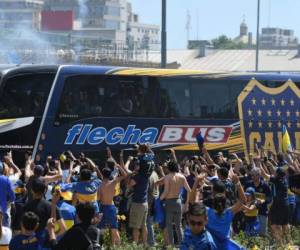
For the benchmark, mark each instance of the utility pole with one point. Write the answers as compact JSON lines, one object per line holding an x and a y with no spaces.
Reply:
{"x":164,"y":34}
{"x":257,"y":37}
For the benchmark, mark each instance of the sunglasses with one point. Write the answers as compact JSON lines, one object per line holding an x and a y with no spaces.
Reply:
{"x":196,"y":223}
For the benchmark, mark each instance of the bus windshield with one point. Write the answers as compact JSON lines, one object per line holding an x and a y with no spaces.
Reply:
{"x":25,"y":95}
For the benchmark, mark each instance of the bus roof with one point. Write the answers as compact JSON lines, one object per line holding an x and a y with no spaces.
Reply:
{"x":272,"y":76}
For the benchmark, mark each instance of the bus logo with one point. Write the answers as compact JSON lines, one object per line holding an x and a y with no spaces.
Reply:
{"x":81,"y":134}
{"x":263,"y":111}
{"x":180,"y":134}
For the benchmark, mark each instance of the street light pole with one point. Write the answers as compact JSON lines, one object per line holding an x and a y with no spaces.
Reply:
{"x":164,"y":34}
{"x":257,"y":36}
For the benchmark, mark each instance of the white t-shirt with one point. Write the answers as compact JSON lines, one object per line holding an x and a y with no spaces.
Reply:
{"x":6,"y":236}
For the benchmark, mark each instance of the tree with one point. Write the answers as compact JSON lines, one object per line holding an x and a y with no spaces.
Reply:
{"x":224,"y":42}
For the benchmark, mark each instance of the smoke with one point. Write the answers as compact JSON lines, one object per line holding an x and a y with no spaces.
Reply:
{"x":21,"y":44}
{"x":83,"y":9}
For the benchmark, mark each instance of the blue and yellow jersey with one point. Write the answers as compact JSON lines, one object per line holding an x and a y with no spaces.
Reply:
{"x":87,"y":191}
{"x":24,"y":242}
{"x":254,"y":212}
{"x":68,"y":213}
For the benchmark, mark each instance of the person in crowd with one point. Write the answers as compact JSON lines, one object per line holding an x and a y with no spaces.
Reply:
{"x":173,"y":183}
{"x":11,"y":169}
{"x":139,"y":183}
{"x":68,"y":212}
{"x":5,"y":234}
{"x":106,"y":194}
{"x":86,"y":188}
{"x":33,"y":172}
{"x":264,"y":196}
{"x":195,"y":235}
{"x":42,"y":208}
{"x":219,"y":216}
{"x":7,"y":196}
{"x":153,"y":194}
{"x":250,"y":210}
{"x":28,"y":239}
{"x":83,"y":235}
{"x":279,"y":211}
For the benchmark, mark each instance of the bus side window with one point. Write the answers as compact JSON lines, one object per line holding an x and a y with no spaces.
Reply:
{"x":25,"y":95}
{"x":173,"y":98}
{"x":101,"y":95}
{"x":211,"y":98}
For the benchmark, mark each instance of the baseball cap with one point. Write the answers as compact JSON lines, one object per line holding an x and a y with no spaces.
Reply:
{"x":250,"y":191}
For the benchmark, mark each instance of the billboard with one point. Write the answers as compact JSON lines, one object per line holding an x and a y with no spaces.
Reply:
{"x":57,"y":20}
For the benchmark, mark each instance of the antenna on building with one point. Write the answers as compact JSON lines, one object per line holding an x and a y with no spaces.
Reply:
{"x":188,"y":24}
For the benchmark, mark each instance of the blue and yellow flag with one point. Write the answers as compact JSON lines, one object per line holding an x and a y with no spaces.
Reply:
{"x":286,"y":142}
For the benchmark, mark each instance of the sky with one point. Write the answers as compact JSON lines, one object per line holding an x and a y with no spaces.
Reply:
{"x":217,"y":17}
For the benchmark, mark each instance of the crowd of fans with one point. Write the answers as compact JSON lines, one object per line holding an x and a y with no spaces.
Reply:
{"x":196,"y":202}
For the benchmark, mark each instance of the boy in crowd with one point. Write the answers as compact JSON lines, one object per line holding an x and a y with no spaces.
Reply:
{"x":42,"y":209}
{"x":196,"y":236}
{"x":27,"y":240}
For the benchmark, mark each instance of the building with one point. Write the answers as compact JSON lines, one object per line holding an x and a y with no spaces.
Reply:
{"x":20,"y":13}
{"x":244,"y":36}
{"x":107,"y":20}
{"x":146,"y":36}
{"x":276,"y":38}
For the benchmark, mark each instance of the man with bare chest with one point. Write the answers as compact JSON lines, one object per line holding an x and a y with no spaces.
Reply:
{"x":106,"y":194}
{"x":173,"y":184}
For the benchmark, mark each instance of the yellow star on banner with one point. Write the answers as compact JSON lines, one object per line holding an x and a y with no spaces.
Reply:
{"x":250,"y":112}
{"x":263,"y":101}
{"x":289,"y":124}
{"x":259,"y":112}
{"x":292,"y":102}
{"x":270,"y":124}
{"x":269,"y":113}
{"x":250,"y":124}
{"x":297,"y":113}
{"x":288,"y":113}
{"x":278,"y":112}
{"x":254,"y":101}
{"x":273,"y":102}
{"x":260,"y":124}
{"x":279,"y":124}
{"x":282,"y":102}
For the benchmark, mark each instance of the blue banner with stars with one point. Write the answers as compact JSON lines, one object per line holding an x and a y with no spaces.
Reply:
{"x":263,"y":111}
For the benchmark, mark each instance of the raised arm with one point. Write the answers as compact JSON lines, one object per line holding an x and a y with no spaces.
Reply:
{"x":28,"y":169}
{"x":236,"y":181}
{"x":207,"y":156}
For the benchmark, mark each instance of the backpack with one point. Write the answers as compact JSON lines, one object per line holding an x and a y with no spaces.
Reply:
{"x":94,"y":244}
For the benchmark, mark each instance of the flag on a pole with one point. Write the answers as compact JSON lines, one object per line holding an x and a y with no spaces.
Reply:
{"x":200,"y":141}
{"x":286,"y":142}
